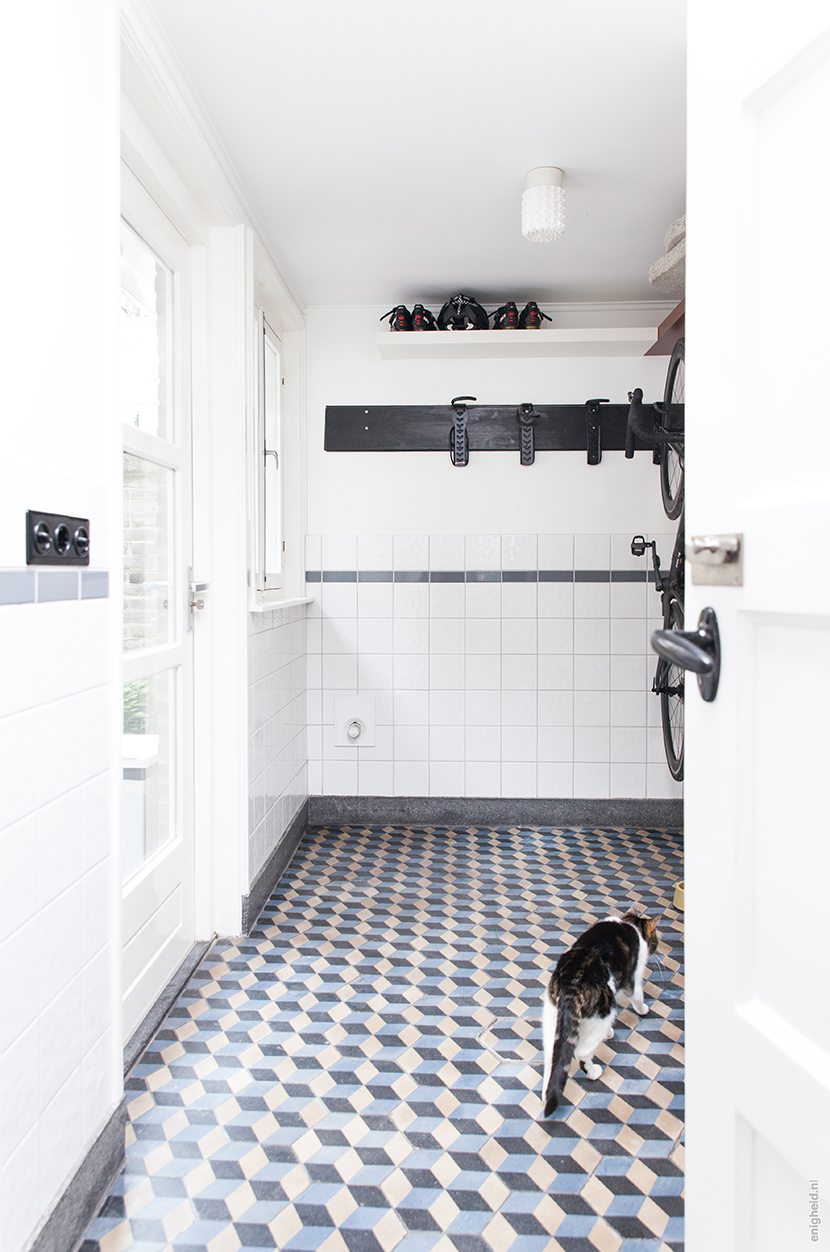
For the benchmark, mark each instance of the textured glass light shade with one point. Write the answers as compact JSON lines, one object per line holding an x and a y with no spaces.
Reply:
{"x":543,"y":205}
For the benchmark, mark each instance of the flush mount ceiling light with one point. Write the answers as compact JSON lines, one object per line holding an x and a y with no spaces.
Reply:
{"x":543,"y":204}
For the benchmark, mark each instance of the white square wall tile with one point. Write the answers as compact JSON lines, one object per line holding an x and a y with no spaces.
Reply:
{"x":518,"y":600}
{"x":315,"y":778}
{"x":313,"y":634}
{"x":411,"y":671}
{"x":592,"y":551}
{"x":482,"y":600}
{"x":555,"y":673}
{"x":339,"y":599}
{"x":447,"y":671}
{"x":518,"y":635}
{"x":518,"y":779}
{"x":411,"y":708}
{"x":629,"y":636}
{"x":339,"y":634}
{"x":629,"y":745}
{"x":518,"y":552}
{"x":655,"y":747}
{"x":446,"y":708}
{"x":555,"y":743}
{"x":446,"y":552}
{"x":628,"y":708}
{"x":555,"y":599}
{"x":555,"y":780}
{"x":628,"y":781}
{"x":411,"y":778}
{"x":592,"y":599}
{"x":591,"y":673}
{"x":483,"y":743}
{"x":592,"y":781}
{"x":519,"y":673}
{"x":660,"y":785}
{"x":592,"y":708}
{"x":483,"y":673}
{"x":340,"y":778}
{"x":630,"y":599}
{"x":383,"y":699}
{"x":591,"y":744}
{"x":411,"y":552}
{"x":446,"y":634}
{"x":314,"y":671}
{"x":556,"y":634}
{"x":374,"y":634}
{"x":375,"y":599}
{"x":592,"y":635}
{"x":555,"y":708}
{"x":483,"y":635}
{"x":374,"y":552}
{"x":621,"y":557}
{"x":411,"y":634}
{"x":411,"y":743}
{"x":518,"y":743}
{"x":481,"y":779}
{"x":384,"y":746}
{"x":518,"y":708}
{"x":340,"y":552}
{"x":630,"y":673}
{"x":446,"y":743}
{"x":339,"y":671}
{"x":483,"y":552}
{"x":375,"y":778}
{"x":446,"y":600}
{"x":446,"y":778}
{"x":411,"y":599}
{"x":483,"y":708}
{"x":556,"y":551}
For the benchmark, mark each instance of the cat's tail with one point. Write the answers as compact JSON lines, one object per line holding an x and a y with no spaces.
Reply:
{"x":567,"y":1032}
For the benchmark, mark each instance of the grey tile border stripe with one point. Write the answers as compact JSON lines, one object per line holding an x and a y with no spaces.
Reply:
{"x":411,"y":576}
{"x":57,"y":584}
{"x":17,"y":586}
{"x":556,"y":575}
{"x":95,"y":584}
{"x":312,"y":576}
{"x":519,"y":576}
{"x":483,"y":576}
{"x":628,"y":575}
{"x":592,"y":575}
{"x":475,"y":576}
{"x":446,"y":576}
{"x":339,"y":576}
{"x":375,"y":576}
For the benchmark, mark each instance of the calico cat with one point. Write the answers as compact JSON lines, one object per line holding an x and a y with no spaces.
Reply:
{"x":579,"y":1005}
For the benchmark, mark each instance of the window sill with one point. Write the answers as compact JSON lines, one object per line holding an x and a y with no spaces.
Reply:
{"x":274,"y":606}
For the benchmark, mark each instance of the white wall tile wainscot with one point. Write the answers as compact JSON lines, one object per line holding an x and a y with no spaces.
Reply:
{"x":500,"y":665}
{"x":277,"y":746}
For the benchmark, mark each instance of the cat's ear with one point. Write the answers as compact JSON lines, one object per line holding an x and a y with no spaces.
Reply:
{"x":651,"y":924}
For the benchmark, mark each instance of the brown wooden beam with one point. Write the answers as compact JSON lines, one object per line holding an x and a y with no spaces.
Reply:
{"x":669,"y":331}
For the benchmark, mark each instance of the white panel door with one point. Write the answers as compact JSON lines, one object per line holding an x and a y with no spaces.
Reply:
{"x":758,"y":463}
{"x":157,"y":811}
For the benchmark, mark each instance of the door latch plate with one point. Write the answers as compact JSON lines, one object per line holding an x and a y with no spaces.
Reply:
{"x":716,"y":560}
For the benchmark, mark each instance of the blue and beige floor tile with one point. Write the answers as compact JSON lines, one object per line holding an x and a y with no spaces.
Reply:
{"x":362,"y":1074}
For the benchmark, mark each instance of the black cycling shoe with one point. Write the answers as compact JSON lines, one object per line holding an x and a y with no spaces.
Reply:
{"x":531,"y":316}
{"x":399,"y":318}
{"x":422,"y":319}
{"x":463,"y":313}
{"x":507,"y":317}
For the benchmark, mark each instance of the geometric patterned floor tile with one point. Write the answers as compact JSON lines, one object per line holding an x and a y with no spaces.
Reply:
{"x":363,"y":1072}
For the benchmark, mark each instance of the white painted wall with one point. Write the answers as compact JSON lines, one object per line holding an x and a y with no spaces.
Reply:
{"x":493,"y":688}
{"x":60,"y":1043}
{"x":420,"y":492}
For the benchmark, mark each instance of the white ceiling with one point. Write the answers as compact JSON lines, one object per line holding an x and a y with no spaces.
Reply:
{"x":384,"y":144}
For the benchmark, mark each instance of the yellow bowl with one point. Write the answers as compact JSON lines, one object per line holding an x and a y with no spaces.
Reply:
{"x":678,"y":896}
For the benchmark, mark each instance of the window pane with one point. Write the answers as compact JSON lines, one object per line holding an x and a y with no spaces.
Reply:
{"x":146,"y":327}
{"x":147,"y":787}
{"x":272,"y":520}
{"x":149,"y":514}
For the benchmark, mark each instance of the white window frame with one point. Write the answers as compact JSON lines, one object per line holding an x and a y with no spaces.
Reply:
{"x":269,"y":451}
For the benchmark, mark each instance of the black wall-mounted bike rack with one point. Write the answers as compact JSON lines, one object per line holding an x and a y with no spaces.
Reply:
{"x":462,"y":428}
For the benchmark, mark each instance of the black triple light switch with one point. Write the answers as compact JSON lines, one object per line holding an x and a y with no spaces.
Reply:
{"x":56,"y":539}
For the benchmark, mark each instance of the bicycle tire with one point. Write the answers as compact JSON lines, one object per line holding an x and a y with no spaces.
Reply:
{"x":669,"y":683}
{"x":672,"y":485}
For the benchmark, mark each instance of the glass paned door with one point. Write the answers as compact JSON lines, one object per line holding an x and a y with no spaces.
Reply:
{"x":157,"y":838}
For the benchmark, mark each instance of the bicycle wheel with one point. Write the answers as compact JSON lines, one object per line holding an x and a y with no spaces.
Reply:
{"x":672,"y":455}
{"x":669,"y":682}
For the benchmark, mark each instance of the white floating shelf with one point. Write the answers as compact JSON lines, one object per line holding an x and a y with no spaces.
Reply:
{"x":452,"y":344}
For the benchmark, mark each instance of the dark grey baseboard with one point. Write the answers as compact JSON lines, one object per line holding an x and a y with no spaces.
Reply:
{"x":437,"y":811}
{"x":66,"y":1225}
{"x":157,"y":1012}
{"x":273,"y":870}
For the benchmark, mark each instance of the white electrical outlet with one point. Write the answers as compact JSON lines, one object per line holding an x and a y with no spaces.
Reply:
{"x":354,"y":721}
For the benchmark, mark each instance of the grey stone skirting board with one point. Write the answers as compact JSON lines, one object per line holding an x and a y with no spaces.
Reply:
{"x":66,"y":1225}
{"x":437,"y":811}
{"x":273,"y":870}
{"x":157,"y":1012}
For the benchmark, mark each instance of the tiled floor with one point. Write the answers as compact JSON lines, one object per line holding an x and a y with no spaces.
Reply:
{"x":363,"y":1073}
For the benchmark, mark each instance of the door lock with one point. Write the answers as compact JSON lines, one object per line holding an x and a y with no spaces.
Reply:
{"x":192,"y":601}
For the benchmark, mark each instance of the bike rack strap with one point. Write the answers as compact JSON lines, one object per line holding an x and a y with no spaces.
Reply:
{"x":527,"y":421}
